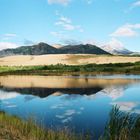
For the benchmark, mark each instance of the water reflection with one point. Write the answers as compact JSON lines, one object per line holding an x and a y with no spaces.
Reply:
{"x":61,"y":82}
{"x":80,"y":103}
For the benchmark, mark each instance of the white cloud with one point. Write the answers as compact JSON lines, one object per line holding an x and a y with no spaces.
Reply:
{"x":124,"y":31}
{"x":66,"y":24}
{"x":136,"y":4}
{"x":5,"y":45}
{"x":66,"y":2}
{"x":10,"y":35}
{"x":62,"y":2}
{"x":115,"y":43}
{"x":132,"y":6}
{"x":127,"y":30}
{"x":65,"y":19}
{"x":134,"y":26}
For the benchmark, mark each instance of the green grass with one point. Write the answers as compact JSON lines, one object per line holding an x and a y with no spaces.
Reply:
{"x":122,"y":126}
{"x":60,"y":69}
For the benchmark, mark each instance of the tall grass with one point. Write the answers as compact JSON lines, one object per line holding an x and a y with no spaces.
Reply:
{"x":12,"y":128}
{"x":122,"y":126}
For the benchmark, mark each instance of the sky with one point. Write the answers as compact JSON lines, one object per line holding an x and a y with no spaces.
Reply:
{"x":100,"y":22}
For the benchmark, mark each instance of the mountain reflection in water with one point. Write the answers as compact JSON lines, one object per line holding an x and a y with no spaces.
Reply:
{"x":43,"y":86}
{"x":74,"y":102}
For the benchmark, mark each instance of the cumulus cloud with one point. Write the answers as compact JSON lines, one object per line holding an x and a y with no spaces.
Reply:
{"x":62,"y":2}
{"x":127,"y":30}
{"x":66,"y":24}
{"x":6,"y":45}
{"x":136,"y":4}
{"x":115,"y":43}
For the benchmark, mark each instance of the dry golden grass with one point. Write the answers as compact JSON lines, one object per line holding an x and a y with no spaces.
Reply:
{"x":68,"y":59}
{"x":12,"y":128}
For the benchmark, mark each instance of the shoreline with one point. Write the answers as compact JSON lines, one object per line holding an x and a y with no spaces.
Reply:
{"x":74,"y":70}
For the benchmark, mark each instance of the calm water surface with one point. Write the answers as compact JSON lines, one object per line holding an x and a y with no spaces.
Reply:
{"x":81,"y":103}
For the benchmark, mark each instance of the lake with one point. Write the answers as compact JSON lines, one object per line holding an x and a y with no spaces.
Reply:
{"x":79,"y":103}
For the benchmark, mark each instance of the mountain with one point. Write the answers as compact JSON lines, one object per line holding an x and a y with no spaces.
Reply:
{"x":43,"y":48}
{"x":39,"y":49}
{"x":135,"y":54}
{"x":82,"y":49}
{"x":116,"y":50}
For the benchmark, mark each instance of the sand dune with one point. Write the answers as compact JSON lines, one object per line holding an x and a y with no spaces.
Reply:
{"x":69,"y":59}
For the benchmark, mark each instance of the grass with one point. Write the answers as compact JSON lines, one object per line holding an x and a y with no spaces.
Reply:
{"x":127,"y":68}
{"x":121,"y":126}
{"x":12,"y":128}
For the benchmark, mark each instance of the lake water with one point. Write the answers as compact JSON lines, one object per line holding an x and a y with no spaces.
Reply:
{"x":80,"y":103}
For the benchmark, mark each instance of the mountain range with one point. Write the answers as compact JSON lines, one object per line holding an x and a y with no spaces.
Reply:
{"x":44,"y":48}
{"x":116,"y":50}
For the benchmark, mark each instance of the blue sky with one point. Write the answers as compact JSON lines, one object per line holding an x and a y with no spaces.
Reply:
{"x":113,"y":22}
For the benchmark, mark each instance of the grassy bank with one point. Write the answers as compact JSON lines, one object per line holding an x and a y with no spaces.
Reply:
{"x":128,"y":68}
{"x":121,"y":126}
{"x":13,"y":128}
